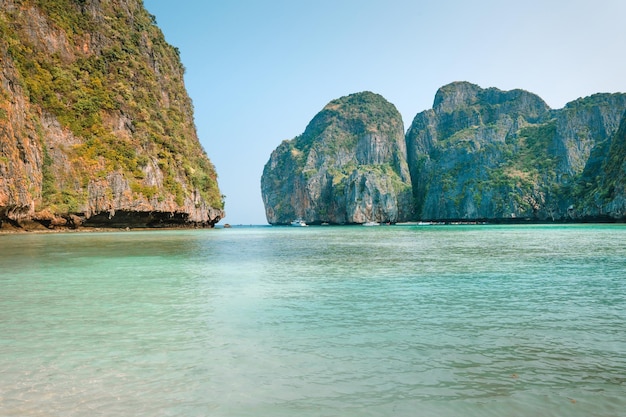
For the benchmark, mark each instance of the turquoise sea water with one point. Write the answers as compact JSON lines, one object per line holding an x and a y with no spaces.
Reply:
{"x":317,"y":321}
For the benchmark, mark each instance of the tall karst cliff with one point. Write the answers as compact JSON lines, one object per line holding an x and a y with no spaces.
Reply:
{"x":492,"y":154}
{"x":349,"y":166}
{"x":478,"y":154}
{"x":601,"y":188}
{"x":96,"y":127}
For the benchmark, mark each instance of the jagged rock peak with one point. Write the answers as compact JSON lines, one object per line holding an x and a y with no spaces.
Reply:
{"x":455,"y":95}
{"x":461,"y":94}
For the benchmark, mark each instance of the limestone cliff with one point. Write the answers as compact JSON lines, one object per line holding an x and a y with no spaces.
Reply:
{"x":602,"y":186}
{"x":492,"y":154}
{"x":349,"y":166}
{"x":478,"y":154}
{"x":96,"y":127}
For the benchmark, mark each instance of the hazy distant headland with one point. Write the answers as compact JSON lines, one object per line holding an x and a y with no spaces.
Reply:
{"x":478,"y":154}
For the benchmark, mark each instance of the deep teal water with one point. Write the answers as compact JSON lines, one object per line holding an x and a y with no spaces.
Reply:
{"x":317,"y":321}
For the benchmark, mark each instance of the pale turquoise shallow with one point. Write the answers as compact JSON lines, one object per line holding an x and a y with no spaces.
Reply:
{"x":318,"y":321}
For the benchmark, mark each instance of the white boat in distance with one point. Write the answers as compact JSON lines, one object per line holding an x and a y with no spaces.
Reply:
{"x":371,"y":224}
{"x":298,"y":223}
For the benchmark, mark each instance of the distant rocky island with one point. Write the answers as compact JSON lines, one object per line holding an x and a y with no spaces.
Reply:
{"x":96,"y":127}
{"x":477,"y":155}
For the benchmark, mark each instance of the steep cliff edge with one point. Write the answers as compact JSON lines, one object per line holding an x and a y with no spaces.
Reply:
{"x":602,"y":186}
{"x":96,"y":127}
{"x":492,"y":154}
{"x":349,"y":166}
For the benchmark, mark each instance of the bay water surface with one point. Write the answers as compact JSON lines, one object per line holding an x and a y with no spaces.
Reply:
{"x":317,"y":321}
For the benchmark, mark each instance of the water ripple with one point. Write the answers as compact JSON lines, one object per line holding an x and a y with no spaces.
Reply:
{"x":450,"y":321}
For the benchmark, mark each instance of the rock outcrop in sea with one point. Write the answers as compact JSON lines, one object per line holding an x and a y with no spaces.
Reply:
{"x":478,"y":154}
{"x":349,"y":166}
{"x":96,"y":127}
{"x":492,"y":154}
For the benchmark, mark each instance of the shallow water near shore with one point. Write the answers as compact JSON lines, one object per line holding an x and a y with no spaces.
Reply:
{"x":316,"y":321}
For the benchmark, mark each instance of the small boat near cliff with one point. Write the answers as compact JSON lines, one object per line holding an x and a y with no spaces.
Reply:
{"x":371,"y":224}
{"x":298,"y":223}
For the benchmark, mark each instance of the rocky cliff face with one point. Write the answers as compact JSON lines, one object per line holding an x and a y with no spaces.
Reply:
{"x":96,"y":127}
{"x":478,"y":154}
{"x":349,"y":166}
{"x":455,"y":148}
{"x":602,"y":186}
{"x":491,"y":154}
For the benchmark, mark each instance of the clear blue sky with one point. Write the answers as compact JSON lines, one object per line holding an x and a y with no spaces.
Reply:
{"x":258,"y":71}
